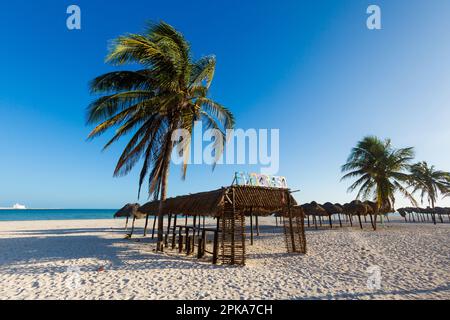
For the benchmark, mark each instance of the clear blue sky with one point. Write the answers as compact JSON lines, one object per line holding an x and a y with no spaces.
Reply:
{"x":310,"y":68}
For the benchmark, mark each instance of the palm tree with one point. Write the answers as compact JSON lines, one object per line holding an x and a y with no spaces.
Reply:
{"x":380,"y":170}
{"x":430,"y":182}
{"x":169,"y":91}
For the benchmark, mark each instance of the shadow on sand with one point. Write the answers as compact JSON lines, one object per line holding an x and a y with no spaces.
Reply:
{"x":53,"y":251}
{"x":378,"y":294}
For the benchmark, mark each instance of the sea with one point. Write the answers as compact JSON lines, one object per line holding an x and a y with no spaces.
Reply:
{"x":56,"y":214}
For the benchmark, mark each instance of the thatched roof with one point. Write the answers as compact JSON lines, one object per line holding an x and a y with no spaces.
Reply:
{"x":331,"y":208}
{"x":427,"y":210}
{"x":355,"y":207}
{"x":259,"y":200}
{"x":313,"y":209}
{"x":130,"y":210}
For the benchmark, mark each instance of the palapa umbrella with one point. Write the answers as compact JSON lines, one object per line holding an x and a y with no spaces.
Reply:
{"x":372,"y":209}
{"x":403,"y":213}
{"x":128,"y":211}
{"x":332,"y":209}
{"x":358,"y":208}
{"x":346,"y":210}
{"x":314,"y":210}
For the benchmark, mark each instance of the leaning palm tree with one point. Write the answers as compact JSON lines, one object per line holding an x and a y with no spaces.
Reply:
{"x":168,"y":91}
{"x":429,"y":182}
{"x":380,"y":171}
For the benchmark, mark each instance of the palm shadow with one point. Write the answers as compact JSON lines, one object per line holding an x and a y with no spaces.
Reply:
{"x":379,"y":294}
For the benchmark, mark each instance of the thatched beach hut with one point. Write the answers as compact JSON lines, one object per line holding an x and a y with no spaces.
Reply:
{"x":230,"y":206}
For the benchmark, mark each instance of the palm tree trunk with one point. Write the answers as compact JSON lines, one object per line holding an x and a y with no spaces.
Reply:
{"x":164,"y":182}
{"x":159,"y":246}
{"x":432,"y":215}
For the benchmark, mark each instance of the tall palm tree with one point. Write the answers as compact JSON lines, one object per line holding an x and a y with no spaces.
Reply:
{"x":380,"y":171}
{"x":429,"y":182}
{"x":168,"y":91}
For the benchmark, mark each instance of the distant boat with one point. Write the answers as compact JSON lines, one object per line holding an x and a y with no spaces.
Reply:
{"x":19,"y":207}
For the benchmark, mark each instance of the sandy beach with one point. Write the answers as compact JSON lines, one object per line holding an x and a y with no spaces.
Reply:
{"x":90,"y":259}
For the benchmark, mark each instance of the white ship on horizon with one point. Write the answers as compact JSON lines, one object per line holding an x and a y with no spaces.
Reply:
{"x":17,"y":206}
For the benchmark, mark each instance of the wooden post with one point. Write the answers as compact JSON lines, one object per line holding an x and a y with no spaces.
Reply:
{"x":154,"y":226}
{"x":276,"y":221}
{"x":132,"y":227}
{"x":257,"y":225}
{"x":251,"y":227}
{"x":180,"y":242}
{"x":174,"y":234}
{"x":204,"y":242}
{"x":199,"y":249}
{"x":340,"y":222}
{"x":216,"y":245}
{"x":166,"y":243}
{"x":126,"y":224}
{"x":371,"y":221}
{"x":187,"y":238}
{"x":188,"y":245}
{"x":146,"y":225}
{"x":351,"y":220}
{"x":315,"y":221}
{"x":331,"y":223}
{"x":308,"y":220}
{"x":360,"y":223}
{"x":193,"y":230}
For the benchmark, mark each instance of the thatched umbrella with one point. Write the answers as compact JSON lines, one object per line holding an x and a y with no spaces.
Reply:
{"x":403,"y":213}
{"x":314,"y":210}
{"x":372,"y":209}
{"x":128,"y":211}
{"x":358,"y":208}
{"x":332,"y":209}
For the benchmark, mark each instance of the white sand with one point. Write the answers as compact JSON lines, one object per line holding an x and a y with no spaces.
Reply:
{"x":60,"y":260}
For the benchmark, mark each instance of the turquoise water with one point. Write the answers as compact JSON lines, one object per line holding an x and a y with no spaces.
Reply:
{"x":64,"y":214}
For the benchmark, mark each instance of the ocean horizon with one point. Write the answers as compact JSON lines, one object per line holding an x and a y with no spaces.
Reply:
{"x":55,"y":214}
